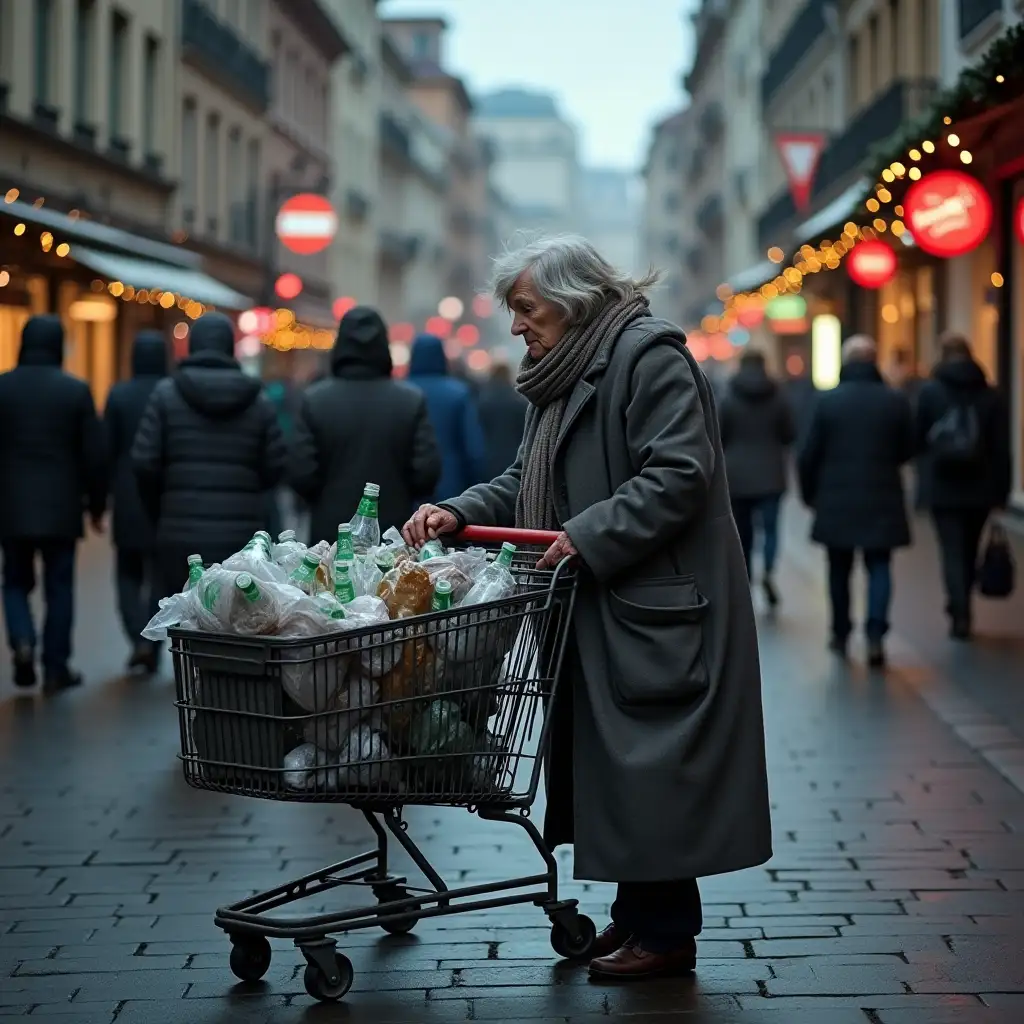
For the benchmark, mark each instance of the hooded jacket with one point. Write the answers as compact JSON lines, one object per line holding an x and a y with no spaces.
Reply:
{"x":52,"y":455}
{"x":208,"y":449}
{"x":757,"y":430}
{"x":360,"y":426}
{"x":503,"y":419}
{"x":132,"y":526}
{"x":986,"y":483}
{"x":453,"y":413}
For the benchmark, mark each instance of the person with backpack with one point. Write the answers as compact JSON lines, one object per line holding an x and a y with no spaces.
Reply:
{"x":964,"y":471}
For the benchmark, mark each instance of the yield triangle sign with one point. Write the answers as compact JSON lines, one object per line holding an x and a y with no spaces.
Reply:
{"x":800,"y":152}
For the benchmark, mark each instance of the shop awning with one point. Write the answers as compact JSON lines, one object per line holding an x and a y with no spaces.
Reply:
{"x":161,"y":276}
{"x":838,"y":211}
{"x":81,"y":229}
{"x":753,"y":277}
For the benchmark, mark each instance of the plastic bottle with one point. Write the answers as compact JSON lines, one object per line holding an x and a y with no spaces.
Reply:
{"x":344,"y":590}
{"x":266,"y":540}
{"x":195,"y":570}
{"x":305,"y":575}
{"x":442,"y":600}
{"x":496,"y":580}
{"x":344,"y":551}
{"x":432,"y":549}
{"x":257,"y":612}
{"x":365,"y":525}
{"x":286,"y":536}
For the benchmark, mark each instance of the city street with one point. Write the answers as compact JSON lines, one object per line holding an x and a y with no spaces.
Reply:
{"x":895,"y":894}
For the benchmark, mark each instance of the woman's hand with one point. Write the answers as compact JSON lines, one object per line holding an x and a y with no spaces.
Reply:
{"x":562,"y":548}
{"x":428,"y":522}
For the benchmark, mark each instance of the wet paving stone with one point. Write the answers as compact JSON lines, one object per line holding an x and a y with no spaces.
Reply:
{"x":896,"y":894}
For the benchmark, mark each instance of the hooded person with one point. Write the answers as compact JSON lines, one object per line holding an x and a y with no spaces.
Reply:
{"x":206,"y":453}
{"x":52,"y":467}
{"x":359,"y":426}
{"x":134,"y":533}
{"x":757,"y":431}
{"x":453,"y":413}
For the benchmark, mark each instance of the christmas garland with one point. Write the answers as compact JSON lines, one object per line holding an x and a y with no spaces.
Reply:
{"x":997,"y":78}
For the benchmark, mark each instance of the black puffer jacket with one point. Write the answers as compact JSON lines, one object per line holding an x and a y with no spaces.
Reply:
{"x":984,"y":483}
{"x":52,"y":455}
{"x":208,"y":448}
{"x":757,"y":430}
{"x":859,"y":436}
{"x":361,"y":426}
{"x":132,"y":526}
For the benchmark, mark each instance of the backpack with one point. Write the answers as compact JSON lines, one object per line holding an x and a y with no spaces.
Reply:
{"x":954,"y":440}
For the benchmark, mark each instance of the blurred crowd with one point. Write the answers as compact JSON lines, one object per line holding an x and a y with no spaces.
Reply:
{"x":197,"y":458}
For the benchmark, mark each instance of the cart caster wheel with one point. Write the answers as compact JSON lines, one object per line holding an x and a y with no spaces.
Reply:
{"x":569,"y":948}
{"x":319,"y":986}
{"x":250,"y":958}
{"x":392,"y":894}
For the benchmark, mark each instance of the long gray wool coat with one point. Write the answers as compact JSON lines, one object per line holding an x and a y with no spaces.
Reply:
{"x":659,"y":705}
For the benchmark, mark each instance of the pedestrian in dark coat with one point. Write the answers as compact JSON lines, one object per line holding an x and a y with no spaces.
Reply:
{"x":503,"y":417}
{"x":359,"y":426}
{"x":452,"y":408}
{"x":52,"y":469}
{"x":860,"y":435}
{"x":757,"y":430}
{"x":208,"y":449}
{"x":134,"y":532}
{"x":657,"y":764}
{"x":961,"y":490}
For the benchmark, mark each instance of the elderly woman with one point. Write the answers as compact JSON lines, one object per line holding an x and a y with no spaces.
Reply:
{"x":657,"y":767}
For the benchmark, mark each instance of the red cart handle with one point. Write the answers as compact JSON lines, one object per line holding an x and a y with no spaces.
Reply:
{"x":499,"y":535}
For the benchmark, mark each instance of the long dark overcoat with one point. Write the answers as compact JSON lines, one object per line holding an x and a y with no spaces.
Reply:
{"x":668,"y":777}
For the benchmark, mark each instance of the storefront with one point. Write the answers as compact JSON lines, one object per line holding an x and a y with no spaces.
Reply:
{"x":105,"y":284}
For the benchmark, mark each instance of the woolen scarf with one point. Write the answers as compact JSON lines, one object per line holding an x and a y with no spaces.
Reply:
{"x":546,"y":383}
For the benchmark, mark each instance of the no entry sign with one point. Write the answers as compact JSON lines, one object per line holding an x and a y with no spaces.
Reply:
{"x":306,"y":224}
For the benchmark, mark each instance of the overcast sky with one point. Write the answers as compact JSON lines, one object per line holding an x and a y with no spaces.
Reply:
{"x":614,"y":65}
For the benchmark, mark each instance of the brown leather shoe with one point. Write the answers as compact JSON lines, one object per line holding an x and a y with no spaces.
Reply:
{"x":611,"y":939}
{"x":632,"y":962}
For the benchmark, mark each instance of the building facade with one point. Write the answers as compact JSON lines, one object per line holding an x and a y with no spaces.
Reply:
{"x":536,"y":159}
{"x":611,"y":204}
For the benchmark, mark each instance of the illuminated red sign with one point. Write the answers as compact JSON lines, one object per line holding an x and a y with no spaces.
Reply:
{"x":1018,"y":221}
{"x":288,"y":286}
{"x":871,"y":264}
{"x":306,"y":223}
{"x":948,"y":212}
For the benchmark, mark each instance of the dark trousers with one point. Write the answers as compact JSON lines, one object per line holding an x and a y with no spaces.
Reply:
{"x":879,"y":570}
{"x":662,"y":916}
{"x":58,"y":557}
{"x":138,"y":590}
{"x":750,"y":513}
{"x":959,"y":531}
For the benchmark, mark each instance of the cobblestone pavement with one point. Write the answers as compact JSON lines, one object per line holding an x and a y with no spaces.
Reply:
{"x":895,"y":894}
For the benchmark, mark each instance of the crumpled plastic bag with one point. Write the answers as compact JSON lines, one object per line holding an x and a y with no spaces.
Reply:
{"x":288,"y":555}
{"x":253,"y":561}
{"x":352,"y":702}
{"x":363,"y":761}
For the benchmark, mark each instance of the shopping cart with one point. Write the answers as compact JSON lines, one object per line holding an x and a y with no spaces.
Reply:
{"x":445,"y":709}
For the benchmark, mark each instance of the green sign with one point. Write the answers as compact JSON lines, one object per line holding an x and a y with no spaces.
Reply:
{"x":786,"y":307}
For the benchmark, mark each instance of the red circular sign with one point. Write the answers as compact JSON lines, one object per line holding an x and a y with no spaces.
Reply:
{"x":948,"y":212}
{"x":288,"y":286}
{"x":306,"y":223}
{"x":1018,"y":220}
{"x":871,"y":264}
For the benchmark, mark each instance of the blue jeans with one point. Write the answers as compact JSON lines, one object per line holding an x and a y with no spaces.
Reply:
{"x":877,"y":563}
{"x":764,"y":512}
{"x":59,"y":587}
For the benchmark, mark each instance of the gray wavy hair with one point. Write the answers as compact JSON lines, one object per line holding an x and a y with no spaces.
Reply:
{"x":568,"y":271}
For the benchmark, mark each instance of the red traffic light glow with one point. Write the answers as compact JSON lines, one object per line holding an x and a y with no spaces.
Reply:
{"x":288,"y":286}
{"x":871,"y":264}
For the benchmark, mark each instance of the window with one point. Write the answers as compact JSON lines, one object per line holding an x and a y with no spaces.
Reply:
{"x":874,"y":59}
{"x":44,"y":51}
{"x":291,"y":85}
{"x":118,"y":74}
{"x":276,"y":70}
{"x":895,"y":40}
{"x":150,"y":83}
{"x":252,"y":204}
{"x":236,"y":188}
{"x":189,"y":162}
{"x":211,"y":184}
{"x":421,"y":45}
{"x":85,"y":30}
{"x":853,"y":100}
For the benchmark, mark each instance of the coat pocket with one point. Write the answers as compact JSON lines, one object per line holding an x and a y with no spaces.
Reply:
{"x":656,"y":644}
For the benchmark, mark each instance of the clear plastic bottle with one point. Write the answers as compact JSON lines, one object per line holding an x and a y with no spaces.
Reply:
{"x":442,"y":599}
{"x":496,"y":580}
{"x":256,"y":612}
{"x":195,"y":571}
{"x":286,"y":536}
{"x":432,"y":549}
{"x":343,"y":550}
{"x":365,"y":524}
{"x":344,"y":590}
{"x":305,"y":575}
{"x":266,"y":539}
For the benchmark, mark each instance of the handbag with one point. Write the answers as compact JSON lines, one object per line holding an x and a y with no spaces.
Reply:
{"x":997,"y":570}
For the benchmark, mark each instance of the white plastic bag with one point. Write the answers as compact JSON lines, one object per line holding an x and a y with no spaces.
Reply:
{"x":299,"y":764}
{"x":351,"y":703}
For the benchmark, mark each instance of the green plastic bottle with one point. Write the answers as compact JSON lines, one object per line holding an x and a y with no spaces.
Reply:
{"x":304,"y":574}
{"x":442,"y":599}
{"x":344,"y":589}
{"x":195,"y":570}
{"x":344,"y":551}
{"x":365,"y":524}
{"x":432,"y":549}
{"x":249,"y":587}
